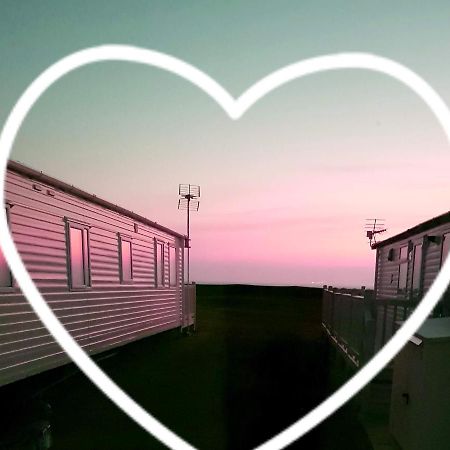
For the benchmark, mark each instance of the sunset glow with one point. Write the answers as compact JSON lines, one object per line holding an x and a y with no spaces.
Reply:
{"x":286,"y":190}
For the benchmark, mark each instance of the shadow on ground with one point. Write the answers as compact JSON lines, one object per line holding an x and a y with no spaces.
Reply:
{"x":256,"y":364}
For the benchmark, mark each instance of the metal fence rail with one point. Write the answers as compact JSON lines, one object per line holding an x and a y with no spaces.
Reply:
{"x":357,"y":324}
{"x":388,"y":312}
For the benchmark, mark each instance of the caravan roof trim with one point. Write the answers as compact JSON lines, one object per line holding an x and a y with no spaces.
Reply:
{"x":21,"y":169}
{"x":424,"y":226}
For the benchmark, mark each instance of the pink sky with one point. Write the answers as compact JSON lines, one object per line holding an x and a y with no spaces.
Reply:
{"x":286,"y":189}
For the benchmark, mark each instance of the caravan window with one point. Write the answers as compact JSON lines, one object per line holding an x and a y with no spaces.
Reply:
{"x":78,"y":245}
{"x":417,"y":269}
{"x":403,"y":270}
{"x":126,"y":259}
{"x":5,"y":273}
{"x":173,"y":266}
{"x":403,"y":253}
{"x":402,"y":275}
{"x":159,"y":250}
{"x":445,"y":247}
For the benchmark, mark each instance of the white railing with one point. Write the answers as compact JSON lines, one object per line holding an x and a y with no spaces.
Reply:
{"x":189,"y":305}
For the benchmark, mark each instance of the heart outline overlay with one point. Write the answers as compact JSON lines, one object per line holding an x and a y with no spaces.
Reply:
{"x":234,"y":108}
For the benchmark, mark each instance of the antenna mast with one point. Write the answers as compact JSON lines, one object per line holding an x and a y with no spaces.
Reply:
{"x":374,"y":227}
{"x":188,"y":201}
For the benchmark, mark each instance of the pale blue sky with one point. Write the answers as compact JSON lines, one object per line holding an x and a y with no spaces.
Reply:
{"x":287,"y":188}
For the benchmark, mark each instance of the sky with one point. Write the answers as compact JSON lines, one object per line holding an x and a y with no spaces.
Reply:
{"x":286,"y":190}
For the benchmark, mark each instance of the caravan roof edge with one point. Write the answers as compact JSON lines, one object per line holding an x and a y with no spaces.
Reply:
{"x":21,"y":169}
{"x":420,"y":228}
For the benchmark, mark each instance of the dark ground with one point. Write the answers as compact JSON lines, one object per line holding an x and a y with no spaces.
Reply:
{"x":257,"y":363}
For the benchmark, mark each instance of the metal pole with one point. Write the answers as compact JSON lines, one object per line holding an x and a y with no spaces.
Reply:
{"x":189,"y":239}
{"x":188,"y":193}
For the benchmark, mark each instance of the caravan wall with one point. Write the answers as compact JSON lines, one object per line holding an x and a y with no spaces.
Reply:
{"x":110,"y":276}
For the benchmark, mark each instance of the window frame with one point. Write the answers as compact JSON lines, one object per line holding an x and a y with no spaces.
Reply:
{"x":160,"y":244}
{"x":403,"y":262}
{"x":11,"y":287}
{"x":84,"y":227}
{"x":445,"y":299}
{"x":125,"y":238}
{"x":445,"y":236}
{"x":417,"y":277}
{"x":173,"y":283}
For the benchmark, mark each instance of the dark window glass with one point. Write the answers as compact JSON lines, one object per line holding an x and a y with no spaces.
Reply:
{"x":173,"y":266}
{"x":79,"y":258}
{"x":402,"y":270}
{"x":402,"y":275}
{"x":417,"y":269}
{"x":445,"y":247}
{"x":443,"y":307}
{"x":5,"y":273}
{"x":126,"y":263}
{"x":159,"y":264}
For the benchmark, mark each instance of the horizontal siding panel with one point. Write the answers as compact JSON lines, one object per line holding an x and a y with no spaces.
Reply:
{"x":56,"y":268}
{"x":27,"y":214}
{"x":26,"y":366}
{"x":104,"y":268}
{"x":9,"y":356}
{"x":105,"y":247}
{"x":38,"y":227}
{"x":143,"y":254}
{"x":106,"y":340}
{"x":104,"y":315}
{"x":103,"y":241}
{"x":109,"y":259}
{"x":37,"y":233}
{"x":41,"y":251}
{"x":110,"y":273}
{"x":142,"y":271}
{"x":96,"y":317}
{"x":103,"y":252}
{"x":71,"y":207}
{"x":23,"y":239}
{"x":48,"y":260}
{"x":49,"y":278}
{"x":111,"y":326}
{"x":146,"y":261}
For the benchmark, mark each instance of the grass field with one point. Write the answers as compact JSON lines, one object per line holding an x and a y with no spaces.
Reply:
{"x":256,"y":364}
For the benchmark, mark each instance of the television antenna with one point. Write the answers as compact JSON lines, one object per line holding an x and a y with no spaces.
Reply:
{"x":188,"y":201}
{"x":374,"y":227}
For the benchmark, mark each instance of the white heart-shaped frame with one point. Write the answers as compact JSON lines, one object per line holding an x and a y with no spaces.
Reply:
{"x":235,"y":108}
